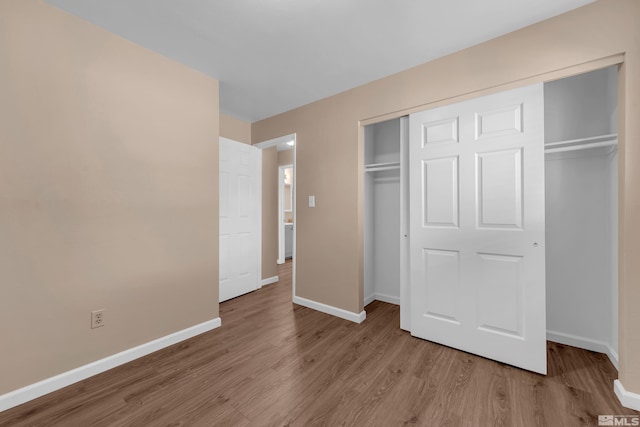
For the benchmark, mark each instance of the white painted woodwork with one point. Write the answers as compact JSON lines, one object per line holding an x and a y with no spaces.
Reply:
{"x":440,"y":131}
{"x":499,"y":186}
{"x":440,"y":207}
{"x":477,"y":227}
{"x":405,"y":288}
{"x":240,"y":216}
{"x":500,"y":122}
{"x":65,"y":379}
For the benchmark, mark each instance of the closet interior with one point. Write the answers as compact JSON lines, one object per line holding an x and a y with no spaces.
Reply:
{"x":581,"y":204}
{"x":581,"y":178}
{"x":385,"y":199}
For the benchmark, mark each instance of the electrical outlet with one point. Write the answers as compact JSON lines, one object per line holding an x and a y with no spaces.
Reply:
{"x":97,"y":318}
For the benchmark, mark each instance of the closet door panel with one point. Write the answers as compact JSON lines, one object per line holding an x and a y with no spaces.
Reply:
{"x":440,"y":197}
{"x":500,"y":294}
{"x":477,"y":227}
{"x":440,"y":131}
{"x":499,"y":183}
{"x":503,"y":121}
{"x":441,"y":271}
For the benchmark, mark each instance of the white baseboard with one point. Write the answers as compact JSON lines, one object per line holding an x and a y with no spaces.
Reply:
{"x":586,"y":343}
{"x":33,"y":391}
{"x":369,"y":299}
{"x":387,"y":298}
{"x":381,"y":297}
{"x":627,"y":399}
{"x":270,"y":280}
{"x":328,"y":309}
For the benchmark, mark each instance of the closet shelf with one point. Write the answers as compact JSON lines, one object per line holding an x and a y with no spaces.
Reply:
{"x":581,"y":143}
{"x":375,"y":167}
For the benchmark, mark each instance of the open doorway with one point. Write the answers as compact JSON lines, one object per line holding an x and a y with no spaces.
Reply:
{"x":285,"y":207}
{"x":278,"y":225}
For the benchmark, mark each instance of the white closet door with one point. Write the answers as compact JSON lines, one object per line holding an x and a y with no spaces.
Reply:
{"x":240,"y":216}
{"x":477,"y":227}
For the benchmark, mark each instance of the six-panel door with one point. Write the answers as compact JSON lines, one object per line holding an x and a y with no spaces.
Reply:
{"x":240,"y":175}
{"x":477,"y":226}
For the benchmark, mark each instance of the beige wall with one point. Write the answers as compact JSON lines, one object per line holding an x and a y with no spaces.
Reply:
{"x":108,"y":193}
{"x":329,"y":146}
{"x":285,"y":157}
{"x":269,"y":212}
{"x":235,"y":129}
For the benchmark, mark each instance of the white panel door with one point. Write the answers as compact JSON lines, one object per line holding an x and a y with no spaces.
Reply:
{"x":477,"y":227}
{"x":240,"y":216}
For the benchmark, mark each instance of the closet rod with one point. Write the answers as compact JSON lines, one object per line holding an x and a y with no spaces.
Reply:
{"x":375,"y":167}
{"x":583,"y":146}
{"x":598,"y":138}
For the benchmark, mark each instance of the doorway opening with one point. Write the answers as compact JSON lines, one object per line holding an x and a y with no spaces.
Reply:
{"x":285,"y":208}
{"x":280,"y":168}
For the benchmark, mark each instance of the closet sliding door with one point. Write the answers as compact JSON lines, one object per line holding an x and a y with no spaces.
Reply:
{"x":477,"y":229}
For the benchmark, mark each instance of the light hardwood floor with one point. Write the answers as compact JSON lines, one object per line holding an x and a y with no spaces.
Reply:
{"x":276,"y":363}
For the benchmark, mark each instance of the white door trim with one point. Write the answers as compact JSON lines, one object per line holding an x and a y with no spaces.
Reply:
{"x":280,"y":215}
{"x":405,"y":273}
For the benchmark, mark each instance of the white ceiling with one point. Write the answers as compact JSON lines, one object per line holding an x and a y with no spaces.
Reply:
{"x":274,"y":55}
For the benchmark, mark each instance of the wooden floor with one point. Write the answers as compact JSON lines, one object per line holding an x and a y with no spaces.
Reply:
{"x":275,"y":363}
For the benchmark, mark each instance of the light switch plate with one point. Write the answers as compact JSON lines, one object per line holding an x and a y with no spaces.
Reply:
{"x":312,"y":201}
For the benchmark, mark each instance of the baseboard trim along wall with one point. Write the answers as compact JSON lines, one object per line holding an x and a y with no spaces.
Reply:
{"x":33,"y":391}
{"x":369,"y":299}
{"x":269,"y":280}
{"x":627,"y":399}
{"x":328,"y":309}
{"x":387,"y":298}
{"x":586,"y":343}
{"x":381,"y":297}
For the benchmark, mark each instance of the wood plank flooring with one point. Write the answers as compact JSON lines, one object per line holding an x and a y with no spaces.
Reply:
{"x":273,"y":363}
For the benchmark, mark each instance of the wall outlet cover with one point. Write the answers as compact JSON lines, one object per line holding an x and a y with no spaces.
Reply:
{"x":97,"y":318}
